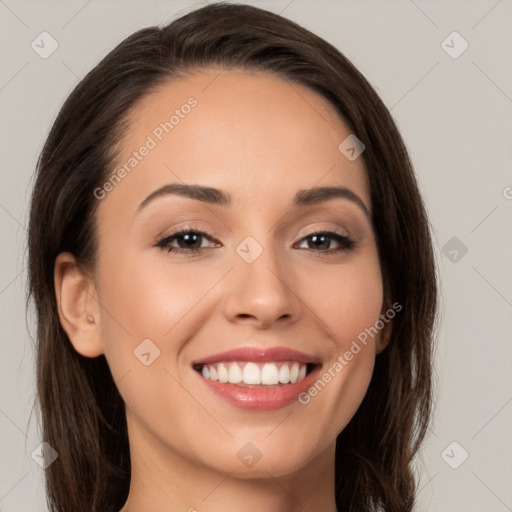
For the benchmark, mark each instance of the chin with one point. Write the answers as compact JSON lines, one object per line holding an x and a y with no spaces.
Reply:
{"x":249,"y":462}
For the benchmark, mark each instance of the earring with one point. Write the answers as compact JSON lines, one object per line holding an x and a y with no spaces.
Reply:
{"x":90,"y":319}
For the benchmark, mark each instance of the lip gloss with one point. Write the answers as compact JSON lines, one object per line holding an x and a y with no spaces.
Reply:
{"x":261,"y":398}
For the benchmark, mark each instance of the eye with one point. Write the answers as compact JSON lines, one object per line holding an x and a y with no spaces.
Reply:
{"x":187,"y":239}
{"x":322,"y":240}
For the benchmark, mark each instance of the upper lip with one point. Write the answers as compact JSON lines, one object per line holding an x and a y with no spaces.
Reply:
{"x":259,"y":355}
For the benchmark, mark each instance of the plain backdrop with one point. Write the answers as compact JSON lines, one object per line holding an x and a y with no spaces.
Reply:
{"x":454,"y":110}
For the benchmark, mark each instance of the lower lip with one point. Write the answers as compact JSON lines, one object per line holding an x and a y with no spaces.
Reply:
{"x":261,"y":399}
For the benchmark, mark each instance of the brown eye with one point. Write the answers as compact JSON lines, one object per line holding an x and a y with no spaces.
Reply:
{"x":323,"y":240}
{"x":187,"y":241}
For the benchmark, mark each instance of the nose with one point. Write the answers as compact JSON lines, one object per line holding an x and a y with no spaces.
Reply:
{"x":261,"y":293}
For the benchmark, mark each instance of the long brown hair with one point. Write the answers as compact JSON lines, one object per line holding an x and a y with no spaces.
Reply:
{"x":82,"y":412}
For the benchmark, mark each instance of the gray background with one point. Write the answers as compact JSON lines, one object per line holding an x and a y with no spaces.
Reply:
{"x":455,"y":115}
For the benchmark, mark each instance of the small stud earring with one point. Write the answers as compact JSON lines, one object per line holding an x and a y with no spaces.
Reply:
{"x":90,"y":319}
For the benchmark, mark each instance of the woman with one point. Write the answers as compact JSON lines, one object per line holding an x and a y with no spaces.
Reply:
{"x":234,"y":279}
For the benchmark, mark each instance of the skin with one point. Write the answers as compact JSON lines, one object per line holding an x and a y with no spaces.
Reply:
{"x":261,"y":140}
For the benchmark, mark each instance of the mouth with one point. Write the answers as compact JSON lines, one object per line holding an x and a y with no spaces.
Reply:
{"x":252,"y":374}
{"x":255,"y":379}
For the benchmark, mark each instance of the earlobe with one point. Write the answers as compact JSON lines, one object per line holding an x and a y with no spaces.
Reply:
{"x":78,"y":307}
{"x":384,"y":338}
{"x":385,"y":334}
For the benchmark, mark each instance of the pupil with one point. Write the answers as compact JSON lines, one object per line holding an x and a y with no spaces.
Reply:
{"x":188,"y":238}
{"x":316,"y":238}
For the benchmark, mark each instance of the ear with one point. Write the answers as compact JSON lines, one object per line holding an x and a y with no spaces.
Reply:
{"x":384,"y":336}
{"x":78,"y":306}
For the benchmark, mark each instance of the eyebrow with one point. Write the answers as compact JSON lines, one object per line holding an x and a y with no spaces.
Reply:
{"x":215,"y":196}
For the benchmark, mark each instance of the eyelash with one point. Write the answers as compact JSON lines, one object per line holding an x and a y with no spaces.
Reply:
{"x":347,"y":243}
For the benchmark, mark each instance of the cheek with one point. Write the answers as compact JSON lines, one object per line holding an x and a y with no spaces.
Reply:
{"x":348,"y":298}
{"x":146,"y":321}
{"x":348,"y":301}
{"x":350,"y":306}
{"x":148,"y":299}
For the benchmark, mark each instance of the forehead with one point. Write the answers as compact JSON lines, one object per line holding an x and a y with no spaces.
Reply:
{"x":253,"y":134}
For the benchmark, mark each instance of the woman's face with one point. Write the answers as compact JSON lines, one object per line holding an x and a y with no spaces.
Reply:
{"x":261,"y":280}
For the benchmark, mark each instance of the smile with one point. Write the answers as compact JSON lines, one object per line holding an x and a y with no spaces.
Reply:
{"x":255,"y":374}
{"x":256,"y":379}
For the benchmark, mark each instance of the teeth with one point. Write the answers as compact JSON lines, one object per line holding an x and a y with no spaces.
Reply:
{"x":269,"y":374}
{"x":235,"y":374}
{"x":223,"y":373}
{"x":250,"y":373}
{"x":284,"y":374}
{"x":294,"y":372}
